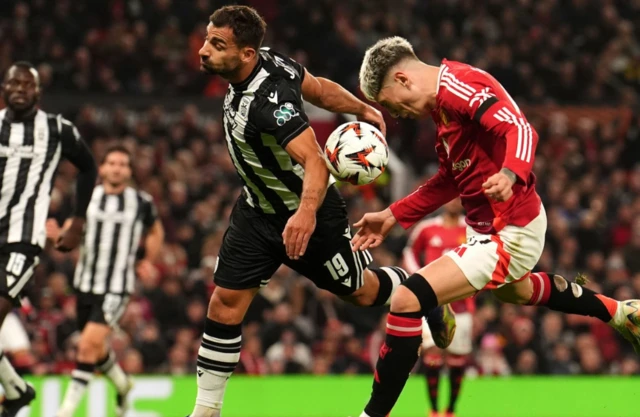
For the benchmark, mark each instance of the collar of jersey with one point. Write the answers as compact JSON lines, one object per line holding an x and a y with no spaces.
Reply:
{"x":243,"y":84}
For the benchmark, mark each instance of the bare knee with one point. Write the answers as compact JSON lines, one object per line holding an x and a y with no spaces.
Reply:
{"x":89,"y":350}
{"x":230,"y":306}
{"x":519,"y":292}
{"x":366,"y":295}
{"x":404,"y":301}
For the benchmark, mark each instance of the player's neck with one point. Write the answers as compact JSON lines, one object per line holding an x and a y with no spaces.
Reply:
{"x":19,"y":116}
{"x":450,"y":220}
{"x":113,"y":188}
{"x":432,"y":74}
{"x":244,"y":72}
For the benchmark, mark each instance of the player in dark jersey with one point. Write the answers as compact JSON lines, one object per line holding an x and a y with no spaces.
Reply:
{"x":32,"y":143}
{"x":290,"y":211}
{"x":486,"y":149}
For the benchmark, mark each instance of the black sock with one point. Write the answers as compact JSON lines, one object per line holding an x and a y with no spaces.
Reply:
{"x":558,"y":294}
{"x":456,"y":373}
{"x":390,"y":278}
{"x":219,"y":352}
{"x":398,"y":355}
{"x":432,"y":374}
{"x":83,"y":372}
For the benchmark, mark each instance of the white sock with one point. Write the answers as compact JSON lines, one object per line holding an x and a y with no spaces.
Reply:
{"x":110,"y":368}
{"x":398,"y":276}
{"x":80,"y":379}
{"x":364,"y":414}
{"x":13,"y":385}
{"x":218,"y":356}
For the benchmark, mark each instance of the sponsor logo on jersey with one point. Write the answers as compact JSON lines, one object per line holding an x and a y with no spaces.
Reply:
{"x":461,"y":165}
{"x":20,"y":151}
{"x":243,"y":108}
{"x":285,"y":113}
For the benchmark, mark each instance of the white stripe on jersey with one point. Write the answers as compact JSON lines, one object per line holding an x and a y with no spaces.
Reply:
{"x":112,"y":237}
{"x":525,"y":133}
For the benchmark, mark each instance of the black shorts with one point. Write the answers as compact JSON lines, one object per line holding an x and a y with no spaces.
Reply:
{"x":102,"y":309}
{"x":17,"y":265}
{"x":252,"y":249}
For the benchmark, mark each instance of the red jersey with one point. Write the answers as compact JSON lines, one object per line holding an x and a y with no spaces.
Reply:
{"x":429,"y":241}
{"x":480,"y":131}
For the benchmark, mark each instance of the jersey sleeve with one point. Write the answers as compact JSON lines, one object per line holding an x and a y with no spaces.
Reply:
{"x":279,"y":113}
{"x":149,"y":210}
{"x":438,"y":190}
{"x":477,"y":96}
{"x":77,"y":152}
{"x":74,"y":147}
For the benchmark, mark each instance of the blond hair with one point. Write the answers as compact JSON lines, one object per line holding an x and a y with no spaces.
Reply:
{"x":379,"y":59}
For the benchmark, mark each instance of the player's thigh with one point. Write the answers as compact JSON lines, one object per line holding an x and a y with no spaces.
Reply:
{"x":448,"y":281}
{"x":16,"y":269}
{"x":13,"y":336}
{"x":462,"y":343}
{"x":330,"y":261}
{"x":249,"y":254}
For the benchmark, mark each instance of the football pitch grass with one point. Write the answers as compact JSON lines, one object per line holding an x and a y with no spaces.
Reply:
{"x":344,"y":396}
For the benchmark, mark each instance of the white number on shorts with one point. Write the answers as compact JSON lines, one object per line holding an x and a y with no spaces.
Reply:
{"x":16,"y":263}
{"x":337,"y":267}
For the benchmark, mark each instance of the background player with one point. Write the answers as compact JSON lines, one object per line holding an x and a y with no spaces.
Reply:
{"x":287,"y":190}
{"x":117,"y":218}
{"x":430,"y":239}
{"x":32,"y":143}
{"x":486,"y":149}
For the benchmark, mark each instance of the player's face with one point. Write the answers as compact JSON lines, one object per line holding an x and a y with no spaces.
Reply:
{"x":220,"y":54}
{"x":116,"y":168}
{"x":21,"y":89}
{"x":402,"y":97}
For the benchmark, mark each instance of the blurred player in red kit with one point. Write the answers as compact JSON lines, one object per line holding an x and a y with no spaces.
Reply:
{"x":486,"y":148}
{"x":429,"y":240}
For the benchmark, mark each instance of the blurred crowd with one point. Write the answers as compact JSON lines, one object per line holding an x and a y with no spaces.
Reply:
{"x":563,"y":51}
{"x":569,"y":51}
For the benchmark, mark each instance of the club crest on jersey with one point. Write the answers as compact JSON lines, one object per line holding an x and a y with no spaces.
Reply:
{"x":481,"y":96}
{"x":285,"y":113}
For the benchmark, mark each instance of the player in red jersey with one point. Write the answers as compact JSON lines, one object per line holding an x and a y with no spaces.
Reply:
{"x":429,"y":240}
{"x":486,"y":149}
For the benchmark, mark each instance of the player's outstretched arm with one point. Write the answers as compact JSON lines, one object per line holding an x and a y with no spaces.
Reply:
{"x":77,"y":152}
{"x":331,"y":96}
{"x":305,"y":150}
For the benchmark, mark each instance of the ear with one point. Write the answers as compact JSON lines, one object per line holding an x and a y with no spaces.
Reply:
{"x":402,"y":78}
{"x":247,"y":54}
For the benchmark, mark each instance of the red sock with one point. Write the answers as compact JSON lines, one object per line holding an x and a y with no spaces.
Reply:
{"x":558,"y":294}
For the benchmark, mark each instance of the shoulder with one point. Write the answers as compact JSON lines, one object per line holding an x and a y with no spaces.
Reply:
{"x":461,"y":85}
{"x":143,"y":196}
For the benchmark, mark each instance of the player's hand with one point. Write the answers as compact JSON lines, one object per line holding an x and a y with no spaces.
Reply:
{"x":298,"y":231}
{"x":373,"y":116}
{"x":71,"y":236}
{"x":374,"y":227}
{"x":146,"y":270}
{"x":498,"y":187}
{"x":53,"y":230}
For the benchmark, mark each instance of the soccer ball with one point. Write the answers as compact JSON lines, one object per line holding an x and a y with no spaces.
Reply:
{"x":356,"y":152}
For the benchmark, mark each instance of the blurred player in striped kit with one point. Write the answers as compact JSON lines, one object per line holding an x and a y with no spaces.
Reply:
{"x":118,"y":218}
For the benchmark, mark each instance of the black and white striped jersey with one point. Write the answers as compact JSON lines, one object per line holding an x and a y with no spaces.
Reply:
{"x":30,"y":151}
{"x":261,"y":116}
{"x":115,"y":224}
